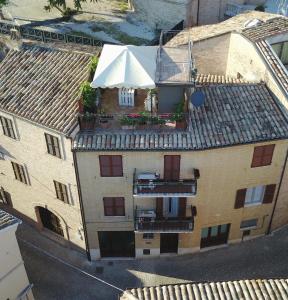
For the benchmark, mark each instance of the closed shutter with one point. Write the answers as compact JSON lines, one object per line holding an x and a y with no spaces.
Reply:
{"x":111,"y":165}
{"x":268,"y":154}
{"x":117,"y":168}
{"x":262,"y":155}
{"x":182,"y":207}
{"x":171,"y":167}
{"x":269,"y":193}
{"x":159,"y":207}
{"x":240,"y":198}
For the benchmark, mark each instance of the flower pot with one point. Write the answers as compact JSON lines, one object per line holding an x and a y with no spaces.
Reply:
{"x":128,"y":127}
{"x":181,"y":124}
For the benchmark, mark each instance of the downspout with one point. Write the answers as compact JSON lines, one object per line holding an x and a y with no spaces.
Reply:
{"x":198,"y":9}
{"x":81,"y":206}
{"x":277,"y":195}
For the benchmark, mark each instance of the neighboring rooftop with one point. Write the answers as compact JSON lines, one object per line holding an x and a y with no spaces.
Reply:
{"x":233,"y":114}
{"x":236,"y":23}
{"x":260,"y":289}
{"x":41,"y":84}
{"x":7,"y":220}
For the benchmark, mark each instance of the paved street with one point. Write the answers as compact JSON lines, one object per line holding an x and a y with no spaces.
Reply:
{"x":261,"y":258}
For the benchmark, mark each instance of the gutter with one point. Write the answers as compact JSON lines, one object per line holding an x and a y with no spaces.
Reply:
{"x":277,"y":195}
{"x":81,"y":206}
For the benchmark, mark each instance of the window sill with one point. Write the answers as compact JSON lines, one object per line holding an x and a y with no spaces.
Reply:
{"x":248,"y":228}
{"x":252,"y":204}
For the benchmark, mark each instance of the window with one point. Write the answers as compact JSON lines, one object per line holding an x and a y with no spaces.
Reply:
{"x":146,"y":251}
{"x":281,"y":50}
{"x":5,"y":197}
{"x":254,"y":195}
{"x":111,"y":165}
{"x":19,"y":172}
{"x":148,"y":236}
{"x":61,"y":191}
{"x":262,"y":156}
{"x":247,"y":224}
{"x":52,"y":143}
{"x":214,"y":235}
{"x":7,"y":126}
{"x":114,"y":206}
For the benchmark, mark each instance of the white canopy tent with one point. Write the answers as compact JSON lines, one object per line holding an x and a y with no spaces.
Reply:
{"x":126,"y":67}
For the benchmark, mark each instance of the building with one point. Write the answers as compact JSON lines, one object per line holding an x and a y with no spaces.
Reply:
{"x":14,"y":283}
{"x":163,"y":14}
{"x":176,"y":162}
{"x":39,"y":94}
{"x":242,"y":289}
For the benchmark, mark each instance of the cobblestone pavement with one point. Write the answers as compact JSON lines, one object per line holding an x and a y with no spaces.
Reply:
{"x":264,"y":257}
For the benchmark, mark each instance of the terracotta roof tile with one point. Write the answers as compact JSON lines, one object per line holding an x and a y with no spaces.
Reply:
{"x":260,"y":289}
{"x":7,"y":220}
{"x":42,"y":84}
{"x":233,"y":114}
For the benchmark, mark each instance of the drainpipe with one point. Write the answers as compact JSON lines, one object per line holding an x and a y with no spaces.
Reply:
{"x":198,"y":9}
{"x":81,"y":206}
{"x":278,"y":191}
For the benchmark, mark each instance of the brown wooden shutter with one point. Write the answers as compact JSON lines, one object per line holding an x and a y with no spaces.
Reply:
{"x":182,"y":207}
{"x":257,"y":156}
{"x":240,"y":198}
{"x":159,"y":207}
{"x":171,"y":167}
{"x":268,"y":154}
{"x":117,"y":168}
{"x":269,"y":193}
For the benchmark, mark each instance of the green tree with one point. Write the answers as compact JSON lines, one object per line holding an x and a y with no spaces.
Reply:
{"x":3,"y":3}
{"x":62,"y":6}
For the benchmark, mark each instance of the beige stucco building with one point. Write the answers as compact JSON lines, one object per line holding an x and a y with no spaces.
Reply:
{"x":218,"y":180}
{"x":14,"y":283}
{"x":38,"y":112}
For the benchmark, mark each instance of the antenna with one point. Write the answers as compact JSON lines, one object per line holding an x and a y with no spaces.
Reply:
{"x":197,"y":98}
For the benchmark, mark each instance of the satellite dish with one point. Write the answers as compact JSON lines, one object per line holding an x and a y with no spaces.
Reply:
{"x":197,"y":98}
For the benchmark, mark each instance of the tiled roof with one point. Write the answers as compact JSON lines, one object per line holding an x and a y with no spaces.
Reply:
{"x":42,"y":85}
{"x":266,"y":29}
{"x":274,"y":63}
{"x":208,"y":79}
{"x":232,"y":115}
{"x":208,"y":31}
{"x":261,"y":289}
{"x":7,"y":219}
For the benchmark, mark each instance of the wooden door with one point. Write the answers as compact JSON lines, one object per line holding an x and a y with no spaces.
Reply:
{"x":172,"y":167}
{"x":169,"y":243}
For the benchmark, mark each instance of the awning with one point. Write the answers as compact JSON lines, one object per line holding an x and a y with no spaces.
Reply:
{"x":126,"y":67}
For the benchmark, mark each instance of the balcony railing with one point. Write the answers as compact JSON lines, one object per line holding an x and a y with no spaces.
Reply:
{"x":147,"y":221}
{"x":156,"y":187}
{"x":134,"y":121}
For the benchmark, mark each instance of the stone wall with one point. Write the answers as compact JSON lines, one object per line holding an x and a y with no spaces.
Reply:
{"x":222,"y":172}
{"x":30,"y":150}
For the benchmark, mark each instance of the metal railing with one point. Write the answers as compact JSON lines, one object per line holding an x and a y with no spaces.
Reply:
{"x":146,"y":222}
{"x":47,"y":36}
{"x":134,"y":121}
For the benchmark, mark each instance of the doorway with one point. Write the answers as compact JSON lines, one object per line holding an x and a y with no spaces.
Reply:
{"x":170,"y":207}
{"x":215,"y":235}
{"x":171,"y":167}
{"x":169,"y":243}
{"x":117,"y":243}
{"x":50,"y":221}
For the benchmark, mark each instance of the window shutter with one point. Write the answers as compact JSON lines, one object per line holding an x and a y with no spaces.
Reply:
{"x":257,"y":157}
{"x":269,"y":193}
{"x":117,"y":168}
{"x":268,"y":154}
{"x":159,"y":207}
{"x":182,"y":207}
{"x":171,"y":167}
{"x":240,"y":198}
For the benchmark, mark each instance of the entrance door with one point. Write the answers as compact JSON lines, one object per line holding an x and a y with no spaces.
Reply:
{"x":171,"y":167}
{"x":117,"y":243}
{"x":214,"y":236}
{"x":168,"y":242}
{"x":50,"y":221}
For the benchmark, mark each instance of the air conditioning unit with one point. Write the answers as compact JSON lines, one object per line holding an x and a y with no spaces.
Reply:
{"x":148,"y":176}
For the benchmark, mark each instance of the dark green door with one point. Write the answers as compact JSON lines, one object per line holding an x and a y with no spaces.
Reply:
{"x":117,"y":243}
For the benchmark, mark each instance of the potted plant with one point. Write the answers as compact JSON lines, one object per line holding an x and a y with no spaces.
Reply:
{"x":88,"y":95}
{"x":127,"y":122}
{"x":178,"y":116}
{"x":142,"y":120}
{"x":88,"y":121}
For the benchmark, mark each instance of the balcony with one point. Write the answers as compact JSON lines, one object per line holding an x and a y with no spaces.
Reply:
{"x":147,"y":185}
{"x":147,"y":221}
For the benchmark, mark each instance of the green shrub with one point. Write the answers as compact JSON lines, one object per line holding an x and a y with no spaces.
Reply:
{"x":88,"y":97}
{"x":93,"y":64}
